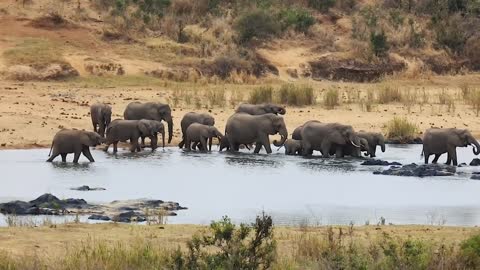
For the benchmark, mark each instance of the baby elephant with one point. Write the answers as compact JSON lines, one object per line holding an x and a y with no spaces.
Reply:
{"x":199,"y":133}
{"x":123,"y":130}
{"x":293,"y":147}
{"x":74,"y":141}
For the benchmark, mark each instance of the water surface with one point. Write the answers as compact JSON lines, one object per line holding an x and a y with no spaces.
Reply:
{"x":293,"y":189}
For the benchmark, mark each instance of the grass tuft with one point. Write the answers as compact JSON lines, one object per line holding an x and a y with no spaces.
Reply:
{"x":260,"y":95}
{"x":331,"y":99}
{"x":389,"y":94}
{"x":401,"y":129}
{"x":296,"y":95}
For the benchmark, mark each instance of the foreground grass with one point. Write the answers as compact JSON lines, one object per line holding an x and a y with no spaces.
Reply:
{"x":115,"y":246}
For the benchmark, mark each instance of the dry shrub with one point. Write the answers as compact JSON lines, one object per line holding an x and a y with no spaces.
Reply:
{"x":331,"y":99}
{"x":216,"y":97}
{"x":296,"y":95}
{"x":472,"y":51}
{"x":389,"y":94}
{"x":401,"y":129}
{"x":475,"y":100}
{"x":263,"y":94}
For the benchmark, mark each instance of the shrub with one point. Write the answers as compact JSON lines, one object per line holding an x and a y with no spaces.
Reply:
{"x":321,"y":5}
{"x":301,"y":20}
{"x":475,"y":100}
{"x":399,"y":128}
{"x":331,"y":98}
{"x":450,"y":34}
{"x":472,"y":51}
{"x":260,"y":95}
{"x":259,"y":24}
{"x":243,"y":247}
{"x":379,"y":43}
{"x":389,"y":94}
{"x":470,"y":252}
{"x":296,"y":96}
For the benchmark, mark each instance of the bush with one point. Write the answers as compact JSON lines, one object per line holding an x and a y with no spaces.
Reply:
{"x":451,"y":34}
{"x":470,"y":252}
{"x":474,"y":97}
{"x":296,"y":96}
{"x":330,"y":100}
{"x":261,"y":95}
{"x":321,"y":5}
{"x":243,"y":247}
{"x":299,"y":19}
{"x":400,"y":129}
{"x":389,"y":94}
{"x":259,"y":24}
{"x":379,"y":43}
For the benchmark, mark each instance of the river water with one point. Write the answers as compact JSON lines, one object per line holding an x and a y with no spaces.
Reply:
{"x":294,"y":190}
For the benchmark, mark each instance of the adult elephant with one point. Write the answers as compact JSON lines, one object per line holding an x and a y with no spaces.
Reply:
{"x":374,"y":139}
{"x":297,"y":133}
{"x":259,"y":109}
{"x":101,"y":115}
{"x":74,"y":141}
{"x":193,"y":117}
{"x":350,"y":150}
{"x":244,"y":128}
{"x":322,"y":136}
{"x":122,"y":130}
{"x":152,"y":111}
{"x":437,"y":141}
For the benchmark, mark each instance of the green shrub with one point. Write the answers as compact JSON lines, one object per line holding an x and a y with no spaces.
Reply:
{"x":301,"y":20}
{"x":400,"y":129}
{"x":296,"y":96}
{"x":470,"y":252}
{"x":331,"y":99}
{"x":450,"y":33}
{"x":259,"y":24}
{"x":379,"y":43}
{"x":260,"y":95}
{"x":321,"y":5}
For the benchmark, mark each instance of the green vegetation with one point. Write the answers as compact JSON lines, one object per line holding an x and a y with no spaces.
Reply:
{"x":299,"y":19}
{"x":259,"y":24}
{"x":296,"y":95}
{"x":401,"y":129}
{"x":35,"y":52}
{"x":260,"y":95}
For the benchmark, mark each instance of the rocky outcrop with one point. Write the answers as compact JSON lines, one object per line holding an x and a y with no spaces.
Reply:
{"x":475,"y":162}
{"x":378,"y":162}
{"x":47,"y":204}
{"x":87,"y":188}
{"x":419,"y":170}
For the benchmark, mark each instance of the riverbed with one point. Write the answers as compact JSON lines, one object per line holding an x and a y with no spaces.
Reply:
{"x":294,"y":190}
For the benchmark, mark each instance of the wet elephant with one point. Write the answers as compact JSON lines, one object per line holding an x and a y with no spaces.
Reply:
{"x":74,"y":141}
{"x":437,"y":141}
{"x":101,"y":115}
{"x":293,"y":147}
{"x":374,"y":139}
{"x":199,"y":133}
{"x":322,"y":136}
{"x":350,"y":150}
{"x":152,"y":111}
{"x":193,"y":117}
{"x":259,"y":109}
{"x":297,"y":132}
{"x":244,"y":128}
{"x":122,"y":130}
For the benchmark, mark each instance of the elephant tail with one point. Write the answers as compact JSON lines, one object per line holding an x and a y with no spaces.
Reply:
{"x":51,"y":147}
{"x":423,"y":150}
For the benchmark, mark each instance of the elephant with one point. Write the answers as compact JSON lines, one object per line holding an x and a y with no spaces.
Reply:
{"x":225,"y":144}
{"x":123,"y":130}
{"x":297,"y":133}
{"x":293,"y":147}
{"x":101,"y":116}
{"x":193,"y":117}
{"x":350,"y":150}
{"x":322,"y":136}
{"x":437,"y":141}
{"x":373,"y":139}
{"x":259,"y":109}
{"x":244,"y":128}
{"x":200,"y":133}
{"x":74,"y":141}
{"x":152,"y":111}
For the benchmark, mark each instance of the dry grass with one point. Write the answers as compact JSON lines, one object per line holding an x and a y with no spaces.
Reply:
{"x":301,"y":95}
{"x":331,"y":99}
{"x":35,"y":52}
{"x":389,"y":94}
{"x":401,"y":129}
{"x":260,"y":95}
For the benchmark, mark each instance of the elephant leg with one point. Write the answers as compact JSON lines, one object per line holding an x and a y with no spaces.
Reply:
{"x":449,"y":159}
{"x":339,"y":152}
{"x":101,"y":129}
{"x":153,"y":142}
{"x":266,"y":144}
{"x":188,"y":144}
{"x":182,"y":142}
{"x":306,"y":149}
{"x":452,"y":152}
{"x":87,"y":154}
{"x":427,"y":156}
{"x":115,"y":147}
{"x":76,"y":156}
{"x":143,"y":142}
{"x":64,"y":157}
{"x":326,"y":148}
{"x":258,"y":146}
{"x":203,"y":144}
{"x":210,"y":140}
{"x":134,"y":146}
{"x":94,"y":126}
{"x":435,"y":159}
{"x":53,"y":156}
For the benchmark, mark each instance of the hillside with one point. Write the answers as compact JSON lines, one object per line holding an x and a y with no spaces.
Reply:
{"x":238,"y":41}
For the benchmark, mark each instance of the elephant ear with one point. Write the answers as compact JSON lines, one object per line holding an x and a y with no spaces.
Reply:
{"x":145,"y":127}
{"x":88,"y":138}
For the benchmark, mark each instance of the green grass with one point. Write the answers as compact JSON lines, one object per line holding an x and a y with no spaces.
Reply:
{"x":401,"y":129}
{"x":34,"y":51}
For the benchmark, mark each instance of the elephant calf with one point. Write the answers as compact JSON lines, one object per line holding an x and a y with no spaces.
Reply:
{"x":74,"y":141}
{"x":101,"y":116}
{"x":373,"y":139}
{"x":193,"y":117}
{"x":199,"y":133}
{"x":350,"y":150}
{"x":123,"y":130}
{"x":293,"y":147}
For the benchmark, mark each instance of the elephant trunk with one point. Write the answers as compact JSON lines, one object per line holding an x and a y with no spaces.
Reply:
{"x":170,"y":129}
{"x":284,"y":136}
{"x":163,"y":137}
{"x":382,"y":145}
{"x":51,"y":147}
{"x":476,"y":147}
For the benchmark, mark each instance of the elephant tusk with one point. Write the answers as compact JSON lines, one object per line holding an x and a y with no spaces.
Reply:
{"x":354,"y":144}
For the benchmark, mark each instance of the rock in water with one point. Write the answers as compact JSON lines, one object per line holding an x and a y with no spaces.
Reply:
{"x":99,"y":217}
{"x":419,"y":170}
{"x":475,"y":162}
{"x":87,"y":188}
{"x":130,"y":216}
{"x":378,"y":162}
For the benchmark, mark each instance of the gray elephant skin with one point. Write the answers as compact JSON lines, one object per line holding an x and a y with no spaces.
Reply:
{"x":152,"y":111}
{"x":297,"y":133}
{"x":244,"y":128}
{"x":350,"y":150}
{"x":374,"y":139}
{"x":122,"y":130}
{"x":293,"y":147}
{"x":74,"y":141}
{"x":437,"y":141}
{"x":259,"y":109}
{"x":193,"y":117}
{"x":322,"y":136}
{"x":225,"y":144}
{"x":101,"y":115}
{"x":199,"y":133}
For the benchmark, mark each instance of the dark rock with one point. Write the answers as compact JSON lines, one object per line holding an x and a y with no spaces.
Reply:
{"x":475,"y":162}
{"x":15,"y":207}
{"x":417,"y":140}
{"x":130,"y":216}
{"x":46,"y":198}
{"x":462,"y":165}
{"x":378,"y":162}
{"x":419,"y":170}
{"x":99,"y":217}
{"x":87,"y":188}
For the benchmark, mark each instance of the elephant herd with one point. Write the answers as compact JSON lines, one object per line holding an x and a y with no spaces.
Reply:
{"x":250,"y":124}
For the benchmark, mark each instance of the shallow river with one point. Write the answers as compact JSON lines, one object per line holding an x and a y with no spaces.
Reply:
{"x":294,"y":190}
